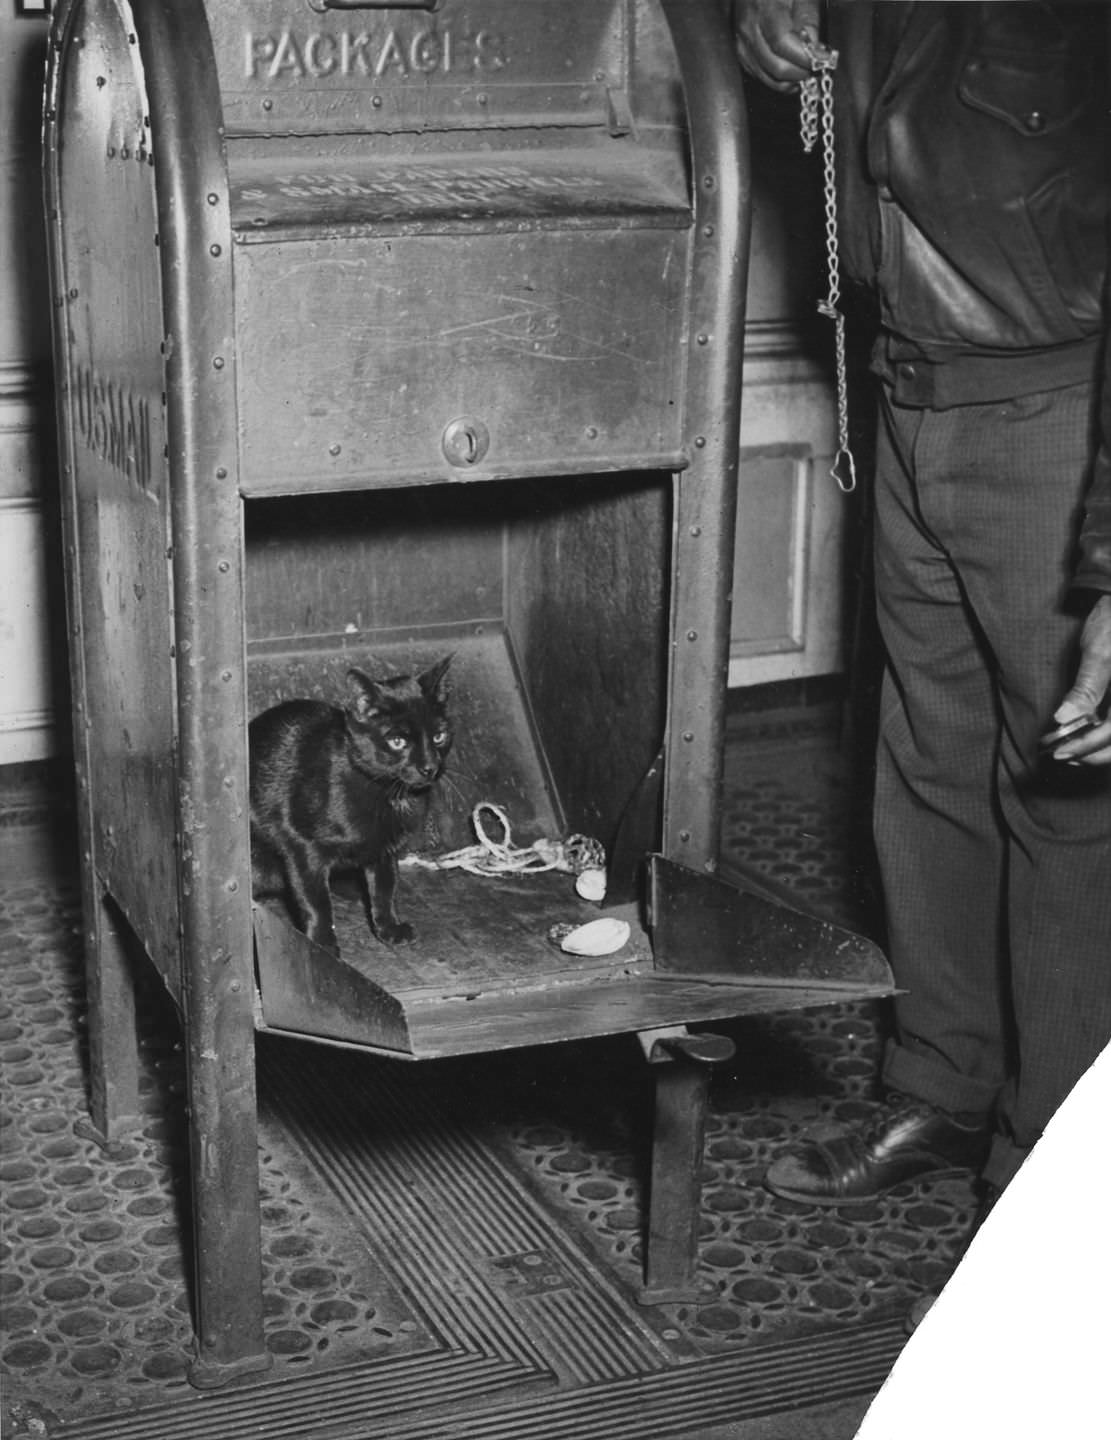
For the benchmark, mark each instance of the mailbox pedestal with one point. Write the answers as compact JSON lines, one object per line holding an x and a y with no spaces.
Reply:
{"x":384,"y":331}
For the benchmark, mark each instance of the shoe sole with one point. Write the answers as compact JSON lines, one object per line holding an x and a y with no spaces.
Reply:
{"x":835,"y":1201}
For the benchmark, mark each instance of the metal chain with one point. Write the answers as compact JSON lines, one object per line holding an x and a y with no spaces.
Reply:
{"x":816,"y":117}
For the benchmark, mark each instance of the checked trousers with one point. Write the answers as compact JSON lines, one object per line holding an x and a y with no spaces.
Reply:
{"x":996,"y":862}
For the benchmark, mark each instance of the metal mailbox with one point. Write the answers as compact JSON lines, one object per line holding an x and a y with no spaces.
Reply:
{"x":384,"y":330}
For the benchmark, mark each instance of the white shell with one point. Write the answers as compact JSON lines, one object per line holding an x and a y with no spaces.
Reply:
{"x":591,"y":884}
{"x":597,"y":937}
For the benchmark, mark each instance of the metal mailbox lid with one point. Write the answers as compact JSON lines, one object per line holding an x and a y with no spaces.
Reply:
{"x":462,"y":239}
{"x":559,"y":353}
{"x":322,"y":67}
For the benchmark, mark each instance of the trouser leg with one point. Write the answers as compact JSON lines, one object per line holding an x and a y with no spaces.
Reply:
{"x":938,"y":841}
{"x":976,"y":514}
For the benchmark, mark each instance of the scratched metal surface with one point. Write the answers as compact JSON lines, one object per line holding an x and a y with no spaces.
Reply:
{"x":481,"y":65}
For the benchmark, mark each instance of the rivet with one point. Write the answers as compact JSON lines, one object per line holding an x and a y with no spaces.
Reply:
{"x":218,"y":362}
{"x":702,"y":339}
{"x":688,"y":736}
{"x":707,"y":230}
{"x":376,"y":101}
{"x":221,"y":472}
{"x":228,"y":781}
{"x":235,"y":987}
{"x":592,"y":432}
{"x":684,"y":835}
{"x":696,"y":531}
{"x":268,"y":104}
{"x":481,"y":98}
{"x":214,"y":250}
{"x":225,"y":676}
{"x":700,"y":442}
{"x":692,"y":634}
{"x":334,"y":449}
{"x":224,"y":566}
{"x":232,"y":887}
{"x":213,"y":198}
{"x":709,"y":182}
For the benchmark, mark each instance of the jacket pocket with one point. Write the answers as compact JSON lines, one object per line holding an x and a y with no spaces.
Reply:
{"x":1036,"y":89}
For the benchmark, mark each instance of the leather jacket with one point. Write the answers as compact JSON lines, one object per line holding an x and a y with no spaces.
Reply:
{"x":973,"y":176}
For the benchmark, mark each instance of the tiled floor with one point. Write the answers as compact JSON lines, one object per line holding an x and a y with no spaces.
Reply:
{"x":453,"y":1249}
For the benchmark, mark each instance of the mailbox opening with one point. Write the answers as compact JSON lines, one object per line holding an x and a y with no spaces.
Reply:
{"x":552,"y":597}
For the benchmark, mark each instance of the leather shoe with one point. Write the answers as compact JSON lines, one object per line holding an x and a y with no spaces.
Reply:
{"x":905,"y":1140}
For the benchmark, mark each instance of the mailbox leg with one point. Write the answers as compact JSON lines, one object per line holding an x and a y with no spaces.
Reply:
{"x":223,"y":1130}
{"x":113,"y":1035}
{"x":682,"y":1064}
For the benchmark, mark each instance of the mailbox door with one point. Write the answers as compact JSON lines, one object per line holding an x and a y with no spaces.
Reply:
{"x":365,"y":359}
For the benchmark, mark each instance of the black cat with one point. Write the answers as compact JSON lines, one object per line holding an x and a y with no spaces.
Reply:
{"x":336,"y":789}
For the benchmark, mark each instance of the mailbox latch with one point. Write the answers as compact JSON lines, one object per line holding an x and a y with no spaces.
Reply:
{"x":465,"y":441}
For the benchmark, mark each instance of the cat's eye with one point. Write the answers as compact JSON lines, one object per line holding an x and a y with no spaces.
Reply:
{"x":440,"y":737}
{"x":396,"y":742}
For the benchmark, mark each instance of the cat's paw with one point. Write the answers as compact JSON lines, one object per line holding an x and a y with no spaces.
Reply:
{"x":395,"y":932}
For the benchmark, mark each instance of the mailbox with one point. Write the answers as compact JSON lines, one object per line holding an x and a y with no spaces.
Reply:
{"x":384,"y":331}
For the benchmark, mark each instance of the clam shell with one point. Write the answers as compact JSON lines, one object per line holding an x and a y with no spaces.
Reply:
{"x":597,"y":937}
{"x":591,"y":884}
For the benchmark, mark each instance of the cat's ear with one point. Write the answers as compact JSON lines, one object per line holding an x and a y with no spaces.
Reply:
{"x":365,"y":693}
{"x":431,"y":681}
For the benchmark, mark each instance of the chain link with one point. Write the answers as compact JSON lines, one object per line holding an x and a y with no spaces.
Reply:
{"x":816,"y":121}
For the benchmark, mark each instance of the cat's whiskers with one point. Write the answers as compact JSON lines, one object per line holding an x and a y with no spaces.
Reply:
{"x":452,"y":763}
{"x":447,"y":779}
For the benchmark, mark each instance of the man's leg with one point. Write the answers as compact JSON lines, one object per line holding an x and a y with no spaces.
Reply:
{"x":938,"y":836}
{"x":1016,"y":510}
{"x":942,"y":859}
{"x":996,"y":861}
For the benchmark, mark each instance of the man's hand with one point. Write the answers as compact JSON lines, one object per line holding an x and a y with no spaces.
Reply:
{"x":772,"y":38}
{"x":1090,"y":690}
